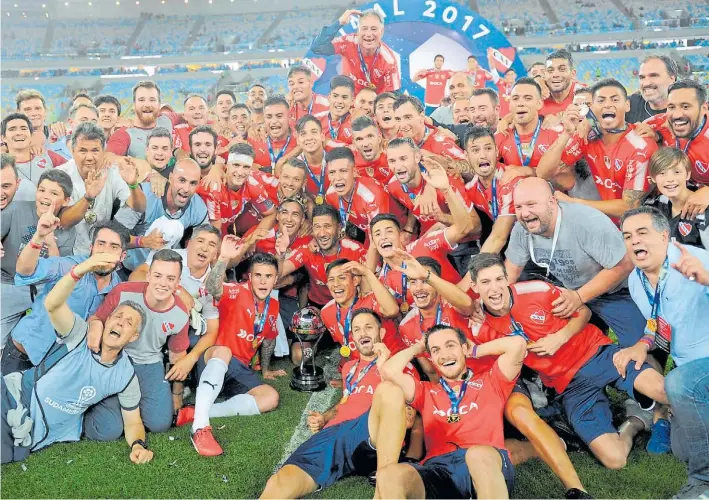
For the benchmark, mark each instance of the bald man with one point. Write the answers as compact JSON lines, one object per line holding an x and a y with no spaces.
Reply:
{"x":582,"y":248}
{"x":460,"y":86}
{"x":166,"y":218}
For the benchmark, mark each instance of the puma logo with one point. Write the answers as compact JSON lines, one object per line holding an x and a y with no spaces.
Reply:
{"x":213,"y":386}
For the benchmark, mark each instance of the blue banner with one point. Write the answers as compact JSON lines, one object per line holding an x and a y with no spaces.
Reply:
{"x":418,"y":31}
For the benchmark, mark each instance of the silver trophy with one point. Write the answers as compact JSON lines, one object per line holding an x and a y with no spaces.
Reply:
{"x":308,"y":329}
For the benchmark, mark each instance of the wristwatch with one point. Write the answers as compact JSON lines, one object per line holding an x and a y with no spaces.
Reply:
{"x":140,"y":442}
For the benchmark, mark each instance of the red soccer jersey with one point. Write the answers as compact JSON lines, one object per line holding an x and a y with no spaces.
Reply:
{"x":551,"y":107}
{"x":382,"y":67}
{"x":318,"y":105}
{"x":227,"y":206}
{"x":481,"y":413}
{"x":434,"y":245}
{"x":313,"y":174}
{"x":337,"y":328}
{"x":362,"y":394}
{"x":237,"y":330}
{"x":480,"y":77}
{"x":263,"y":155}
{"x":181,"y":137}
{"x":377,"y":169}
{"x":531,"y":308}
{"x":483,"y":198}
{"x":369,"y":198}
{"x":396,"y":190}
{"x":435,"y":84}
{"x":621,"y":166}
{"x":698,"y":149}
{"x":337,"y":133}
{"x":315,"y":264}
{"x":503,"y":92}
{"x":443,"y":145}
{"x":507,"y":146}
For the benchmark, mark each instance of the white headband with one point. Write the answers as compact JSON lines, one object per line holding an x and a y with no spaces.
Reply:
{"x":240,"y":158}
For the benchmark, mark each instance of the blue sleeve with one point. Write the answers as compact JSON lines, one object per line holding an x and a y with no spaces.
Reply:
{"x":322,"y":45}
{"x":49,"y":270}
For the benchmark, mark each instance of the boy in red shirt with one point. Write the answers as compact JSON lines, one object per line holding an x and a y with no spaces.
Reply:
{"x":248,"y":317}
{"x":353,"y":437}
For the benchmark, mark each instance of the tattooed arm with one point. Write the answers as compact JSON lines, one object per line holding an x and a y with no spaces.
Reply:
{"x":267,"y":348}
{"x":215,"y":280}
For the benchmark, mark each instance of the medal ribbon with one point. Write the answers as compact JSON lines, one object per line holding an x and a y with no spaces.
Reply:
{"x":348,"y":320}
{"x":260,"y":320}
{"x":364,"y":67}
{"x":350,"y":386}
{"x":334,"y":132}
{"x":439,"y":313}
{"x":525,"y":161}
{"x":272,"y":155}
{"x":404,"y":282}
{"x":344,"y":216}
{"x":455,"y":400}
{"x":321,"y":183}
{"x":654,"y":298}
{"x":695,"y":134}
{"x":517,"y":329}
{"x":555,"y":238}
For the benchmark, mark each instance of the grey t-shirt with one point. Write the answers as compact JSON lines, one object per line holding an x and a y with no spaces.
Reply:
{"x":588,"y":242}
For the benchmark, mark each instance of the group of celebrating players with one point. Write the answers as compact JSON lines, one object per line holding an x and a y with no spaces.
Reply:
{"x":206,"y":231}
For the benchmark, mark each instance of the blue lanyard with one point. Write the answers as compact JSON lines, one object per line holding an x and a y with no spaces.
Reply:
{"x":518,"y":142}
{"x":336,"y":132}
{"x":695,"y":134}
{"x":345,"y":215}
{"x":351,"y":386}
{"x":517,"y":328}
{"x":260,"y":321}
{"x":455,"y":400}
{"x":412,"y":196}
{"x":404,"y":282}
{"x":493,"y":203}
{"x":348,"y":320}
{"x":654,"y":298}
{"x":321,"y":184}
{"x":439,"y":313}
{"x":274,"y":158}
{"x":364,"y":67}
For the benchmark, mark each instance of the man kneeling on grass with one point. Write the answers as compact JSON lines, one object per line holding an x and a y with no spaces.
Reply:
{"x":351,"y":437}
{"x":46,"y":404}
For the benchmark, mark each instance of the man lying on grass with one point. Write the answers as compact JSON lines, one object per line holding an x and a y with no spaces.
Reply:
{"x":46,"y":404}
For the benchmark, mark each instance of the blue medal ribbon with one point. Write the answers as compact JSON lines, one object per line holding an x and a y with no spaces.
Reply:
{"x":348,"y":320}
{"x":335,"y":132}
{"x":364,"y":67}
{"x":260,"y":321}
{"x":525,"y":161}
{"x":455,"y":399}
{"x":345,"y":215}
{"x":404,"y":282}
{"x":319,"y":184}
{"x":695,"y":134}
{"x":350,"y":386}
{"x":517,"y":329}
{"x":272,"y":155}
{"x":493,"y":203}
{"x":654,"y":298}
{"x":439,"y":313}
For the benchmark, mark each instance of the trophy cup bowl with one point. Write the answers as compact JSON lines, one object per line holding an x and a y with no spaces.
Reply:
{"x":308,"y":328}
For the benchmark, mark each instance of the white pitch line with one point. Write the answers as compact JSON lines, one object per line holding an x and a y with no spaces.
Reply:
{"x":319,"y":401}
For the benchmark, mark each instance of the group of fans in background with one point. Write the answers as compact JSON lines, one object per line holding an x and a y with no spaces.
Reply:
{"x":472,"y":263}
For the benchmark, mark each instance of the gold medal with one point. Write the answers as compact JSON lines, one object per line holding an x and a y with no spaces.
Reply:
{"x":345,"y":351}
{"x":319,"y":200}
{"x":254,"y":344}
{"x":344,"y":398}
{"x":404,"y":307}
{"x":342,"y":234}
{"x":652,"y":325}
{"x":453,"y":418}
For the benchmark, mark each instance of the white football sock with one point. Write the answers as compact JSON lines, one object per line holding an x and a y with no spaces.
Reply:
{"x":210,"y":385}
{"x":241,"y":404}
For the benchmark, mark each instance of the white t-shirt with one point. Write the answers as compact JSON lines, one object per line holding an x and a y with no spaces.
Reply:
{"x":114,"y":188}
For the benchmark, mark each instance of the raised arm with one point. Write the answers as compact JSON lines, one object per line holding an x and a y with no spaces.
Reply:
{"x":393,"y":369}
{"x":322,"y":45}
{"x":388,"y":307}
{"x":511,"y":351}
{"x":28,"y":258}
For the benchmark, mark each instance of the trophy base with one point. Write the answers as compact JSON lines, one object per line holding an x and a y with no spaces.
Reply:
{"x":309,"y":379}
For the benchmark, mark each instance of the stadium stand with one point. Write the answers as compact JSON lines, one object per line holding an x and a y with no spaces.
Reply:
{"x":227,"y":33}
{"x":104,"y":37}
{"x":297,"y":29}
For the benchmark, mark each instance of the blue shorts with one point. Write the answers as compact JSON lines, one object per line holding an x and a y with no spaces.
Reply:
{"x":621,"y":314}
{"x":585,"y":402}
{"x":447,"y":476}
{"x":336,"y":452}
{"x":239,"y":378}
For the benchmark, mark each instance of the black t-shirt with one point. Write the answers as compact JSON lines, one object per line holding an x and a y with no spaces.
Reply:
{"x":640,"y":110}
{"x":688,"y":232}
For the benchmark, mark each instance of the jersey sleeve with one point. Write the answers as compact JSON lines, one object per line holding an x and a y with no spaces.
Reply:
{"x":325,"y":44}
{"x":113,"y":298}
{"x":119,"y":142}
{"x":299,"y":257}
{"x":575,"y":150}
{"x":502,"y":386}
{"x":419,"y":397}
{"x":259,"y":196}
{"x":129,"y":398}
{"x":47,"y":270}
{"x":637,"y":172}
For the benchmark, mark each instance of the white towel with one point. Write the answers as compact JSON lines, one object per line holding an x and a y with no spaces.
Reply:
{"x":282,"y":347}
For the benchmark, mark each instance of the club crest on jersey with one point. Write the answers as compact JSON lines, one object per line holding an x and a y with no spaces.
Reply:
{"x":167,"y":327}
{"x":377,"y":73}
{"x":684,"y":228}
{"x":618,"y":164}
{"x":542,"y":148}
{"x":476,"y":384}
{"x":42,"y":163}
{"x":701,"y":167}
{"x":538,"y":317}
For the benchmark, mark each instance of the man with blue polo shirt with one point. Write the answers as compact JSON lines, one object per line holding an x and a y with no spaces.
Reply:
{"x":32,"y":338}
{"x":670,"y":285}
{"x":45,"y":404}
{"x":166,"y":218}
